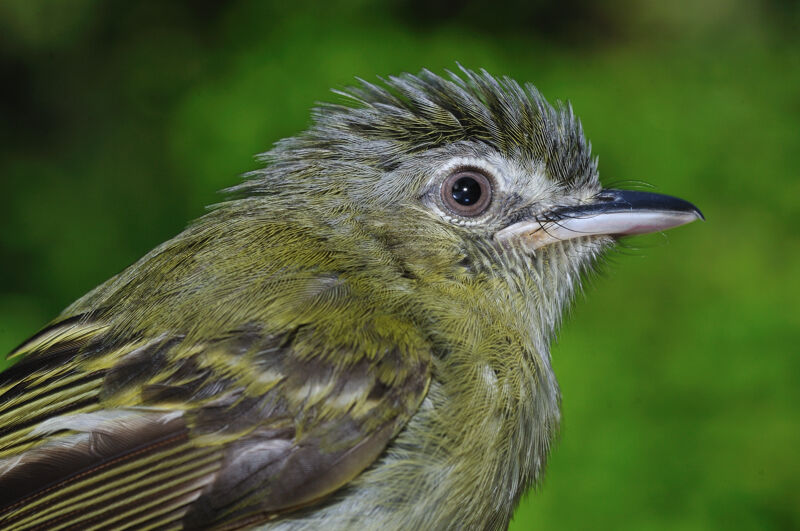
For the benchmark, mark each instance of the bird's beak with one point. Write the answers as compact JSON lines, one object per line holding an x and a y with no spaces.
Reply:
{"x":611,"y":212}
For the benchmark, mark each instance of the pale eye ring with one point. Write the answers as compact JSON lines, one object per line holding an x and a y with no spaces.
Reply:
{"x":467,"y":193}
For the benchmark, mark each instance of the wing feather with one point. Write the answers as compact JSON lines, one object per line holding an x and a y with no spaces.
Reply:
{"x":163,"y":433}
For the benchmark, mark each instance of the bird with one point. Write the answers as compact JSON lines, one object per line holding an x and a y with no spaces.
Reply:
{"x":357,"y":337}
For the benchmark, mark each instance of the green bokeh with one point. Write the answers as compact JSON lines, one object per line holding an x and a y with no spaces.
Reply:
{"x":679,"y":367}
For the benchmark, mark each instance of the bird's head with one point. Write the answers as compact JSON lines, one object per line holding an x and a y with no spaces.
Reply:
{"x":461,"y":177}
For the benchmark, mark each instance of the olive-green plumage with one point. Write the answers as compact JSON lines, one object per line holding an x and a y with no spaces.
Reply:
{"x":339,"y":346}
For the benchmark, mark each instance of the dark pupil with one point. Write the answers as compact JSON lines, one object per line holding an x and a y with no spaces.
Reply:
{"x":466,"y":191}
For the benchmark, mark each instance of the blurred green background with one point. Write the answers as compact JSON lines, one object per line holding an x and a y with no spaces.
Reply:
{"x":680,"y":367}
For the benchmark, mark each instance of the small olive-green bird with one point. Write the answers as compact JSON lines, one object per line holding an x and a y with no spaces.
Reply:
{"x":357,"y":339}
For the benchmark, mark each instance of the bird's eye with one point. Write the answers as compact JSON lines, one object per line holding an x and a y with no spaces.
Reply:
{"x":467,"y":193}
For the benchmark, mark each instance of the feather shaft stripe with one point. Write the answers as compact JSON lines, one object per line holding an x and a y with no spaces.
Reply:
{"x":95,"y":486}
{"x":156,"y":518}
{"x":42,"y":407}
{"x":105,"y":464}
{"x":161,"y":524}
{"x":166,"y":491}
{"x":43,"y":389}
{"x":42,"y":377}
{"x":172,"y":511}
{"x":20,"y":382}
